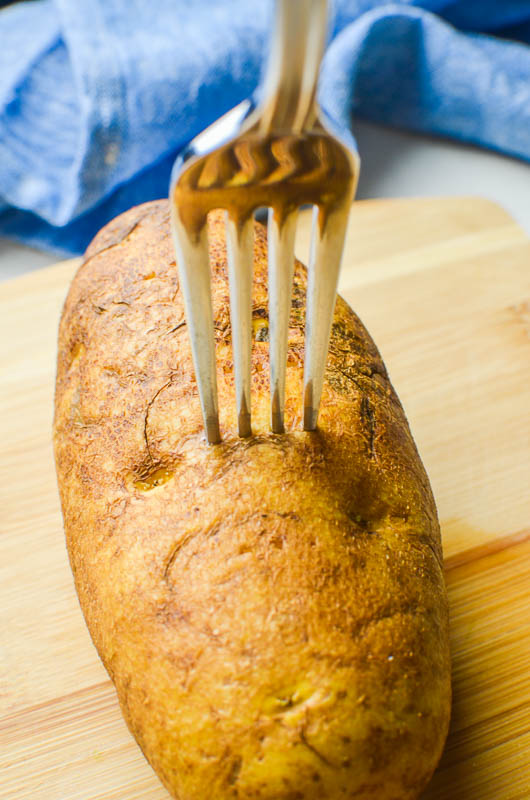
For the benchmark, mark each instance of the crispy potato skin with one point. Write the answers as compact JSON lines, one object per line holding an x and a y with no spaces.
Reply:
{"x":273,"y":613}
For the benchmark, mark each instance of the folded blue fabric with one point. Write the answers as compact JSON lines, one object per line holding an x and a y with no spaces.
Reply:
{"x":97,"y":97}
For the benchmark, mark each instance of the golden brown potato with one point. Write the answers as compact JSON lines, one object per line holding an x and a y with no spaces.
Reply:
{"x":272,"y":611}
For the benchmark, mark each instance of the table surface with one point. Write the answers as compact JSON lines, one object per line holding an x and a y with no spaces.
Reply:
{"x":394,"y":164}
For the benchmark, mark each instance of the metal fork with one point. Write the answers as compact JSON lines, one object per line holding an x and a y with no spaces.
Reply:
{"x":274,"y":151}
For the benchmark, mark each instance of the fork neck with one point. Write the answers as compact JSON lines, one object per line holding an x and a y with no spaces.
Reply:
{"x":289,"y":92}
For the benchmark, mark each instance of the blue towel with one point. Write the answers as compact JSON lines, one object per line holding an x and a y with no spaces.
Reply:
{"x":97,"y":97}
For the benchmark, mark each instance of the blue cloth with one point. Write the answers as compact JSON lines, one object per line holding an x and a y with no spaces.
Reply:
{"x":98,"y":96}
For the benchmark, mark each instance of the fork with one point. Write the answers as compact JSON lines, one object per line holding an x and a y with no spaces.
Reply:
{"x":276,"y":151}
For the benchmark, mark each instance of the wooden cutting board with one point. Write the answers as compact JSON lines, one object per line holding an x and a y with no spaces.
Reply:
{"x":444,"y":287}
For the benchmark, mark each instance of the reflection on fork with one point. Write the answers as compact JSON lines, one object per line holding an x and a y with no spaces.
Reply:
{"x":277,"y":153}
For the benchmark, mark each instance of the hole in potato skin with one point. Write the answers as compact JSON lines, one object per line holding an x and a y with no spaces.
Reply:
{"x":280,"y":702}
{"x":77,"y":352}
{"x":153,"y":479}
{"x":260,"y":330}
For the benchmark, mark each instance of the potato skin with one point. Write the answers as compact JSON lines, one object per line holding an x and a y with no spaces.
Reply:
{"x":272,"y":611}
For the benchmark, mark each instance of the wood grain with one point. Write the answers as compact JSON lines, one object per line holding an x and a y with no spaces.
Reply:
{"x":443,"y":285}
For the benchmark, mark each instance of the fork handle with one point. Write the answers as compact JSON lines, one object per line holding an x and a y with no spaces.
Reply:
{"x":289,"y":92}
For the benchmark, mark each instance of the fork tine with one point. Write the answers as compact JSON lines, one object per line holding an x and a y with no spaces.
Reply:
{"x":327,"y":244}
{"x":281,"y":232}
{"x":240,"y":247}
{"x":194,"y":269}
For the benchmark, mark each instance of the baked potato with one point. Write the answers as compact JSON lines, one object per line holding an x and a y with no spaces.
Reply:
{"x":272,"y":610}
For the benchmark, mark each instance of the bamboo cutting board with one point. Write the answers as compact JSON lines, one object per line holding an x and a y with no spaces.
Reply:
{"x":443,"y":285}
